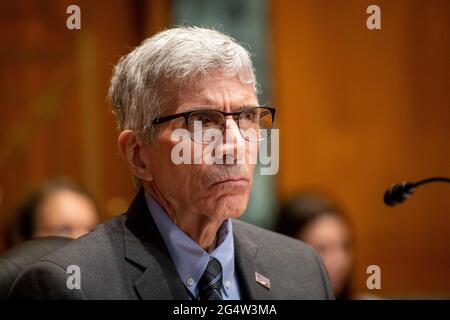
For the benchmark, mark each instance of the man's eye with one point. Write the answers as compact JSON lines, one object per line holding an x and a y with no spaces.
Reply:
{"x":204,"y":119}
{"x":250,"y":116}
{"x":208,"y":119}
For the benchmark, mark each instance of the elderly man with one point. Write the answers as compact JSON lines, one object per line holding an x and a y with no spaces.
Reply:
{"x":179,"y":239}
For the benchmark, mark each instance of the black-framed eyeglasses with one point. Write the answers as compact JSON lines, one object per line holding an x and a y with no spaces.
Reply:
{"x":255,"y":123}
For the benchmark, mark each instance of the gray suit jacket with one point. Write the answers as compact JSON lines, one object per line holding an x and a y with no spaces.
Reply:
{"x":126,"y":258}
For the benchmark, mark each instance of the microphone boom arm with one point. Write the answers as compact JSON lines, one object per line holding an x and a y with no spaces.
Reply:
{"x":399,"y":192}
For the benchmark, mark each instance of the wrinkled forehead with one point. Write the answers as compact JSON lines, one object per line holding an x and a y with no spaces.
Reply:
{"x":215,"y":91}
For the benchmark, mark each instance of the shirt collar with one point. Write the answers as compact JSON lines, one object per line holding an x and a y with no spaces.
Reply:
{"x":189,"y":258}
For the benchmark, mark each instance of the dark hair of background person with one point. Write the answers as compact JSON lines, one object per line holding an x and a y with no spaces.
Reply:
{"x":22,"y":225}
{"x":301,"y":211}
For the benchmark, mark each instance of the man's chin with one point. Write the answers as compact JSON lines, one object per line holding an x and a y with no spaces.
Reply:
{"x":229,"y":207}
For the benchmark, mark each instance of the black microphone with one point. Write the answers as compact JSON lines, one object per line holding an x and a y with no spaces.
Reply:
{"x":399,"y":192}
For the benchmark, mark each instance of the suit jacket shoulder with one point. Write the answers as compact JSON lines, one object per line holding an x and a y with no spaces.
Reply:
{"x":123,"y":258}
{"x":92,"y":259}
{"x":295,"y":270}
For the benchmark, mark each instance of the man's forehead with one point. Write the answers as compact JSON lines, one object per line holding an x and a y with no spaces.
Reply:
{"x":217,"y":95}
{"x":214,"y":105}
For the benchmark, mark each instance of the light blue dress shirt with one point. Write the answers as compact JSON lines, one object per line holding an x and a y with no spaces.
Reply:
{"x":190,"y":259}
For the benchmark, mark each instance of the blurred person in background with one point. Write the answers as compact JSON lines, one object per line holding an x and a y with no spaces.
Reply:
{"x":317,"y":221}
{"x":58,"y":207}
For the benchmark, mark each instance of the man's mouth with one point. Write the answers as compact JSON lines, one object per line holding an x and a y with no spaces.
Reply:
{"x":238,"y":181}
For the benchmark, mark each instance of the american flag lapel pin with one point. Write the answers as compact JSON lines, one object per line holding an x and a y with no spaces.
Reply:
{"x":265,"y":282}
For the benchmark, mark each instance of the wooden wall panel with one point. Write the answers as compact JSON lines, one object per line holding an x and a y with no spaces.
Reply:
{"x":54,"y":118}
{"x":359,"y":109}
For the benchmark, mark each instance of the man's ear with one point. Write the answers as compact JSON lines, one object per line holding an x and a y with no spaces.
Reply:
{"x":130,"y":147}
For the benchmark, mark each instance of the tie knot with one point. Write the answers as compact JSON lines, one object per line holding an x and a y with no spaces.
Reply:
{"x":211,"y":281}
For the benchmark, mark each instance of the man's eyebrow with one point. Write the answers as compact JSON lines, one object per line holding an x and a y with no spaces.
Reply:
{"x":244,"y":106}
{"x":201,"y":107}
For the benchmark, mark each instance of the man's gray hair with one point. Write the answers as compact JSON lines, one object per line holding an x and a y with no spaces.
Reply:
{"x":172,"y":58}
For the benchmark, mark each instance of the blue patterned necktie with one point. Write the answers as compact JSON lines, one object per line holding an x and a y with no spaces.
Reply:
{"x":211,"y":281}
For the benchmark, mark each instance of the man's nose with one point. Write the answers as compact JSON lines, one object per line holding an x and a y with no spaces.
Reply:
{"x":233,"y":142}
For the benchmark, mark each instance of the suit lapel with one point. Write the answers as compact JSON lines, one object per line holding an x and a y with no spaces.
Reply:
{"x":144,"y":246}
{"x":246,"y":259}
